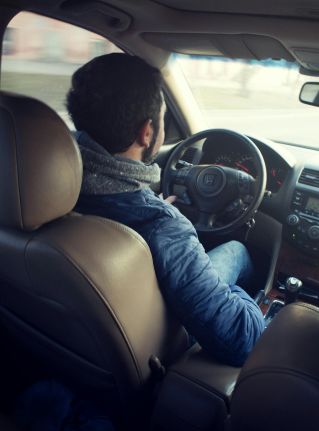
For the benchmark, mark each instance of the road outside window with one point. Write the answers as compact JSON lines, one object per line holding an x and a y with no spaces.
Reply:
{"x":40,"y":54}
{"x":258,"y":98}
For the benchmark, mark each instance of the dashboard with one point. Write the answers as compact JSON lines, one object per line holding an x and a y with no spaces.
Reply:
{"x":292,"y":183}
{"x":230,"y":154}
{"x":287,"y":223}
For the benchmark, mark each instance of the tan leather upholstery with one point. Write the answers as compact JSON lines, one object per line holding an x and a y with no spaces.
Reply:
{"x":40,"y":165}
{"x":199,"y":367}
{"x":195,"y":394}
{"x":278,"y":387}
{"x":80,"y":291}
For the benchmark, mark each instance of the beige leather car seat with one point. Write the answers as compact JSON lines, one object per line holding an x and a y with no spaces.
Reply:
{"x":278,"y":387}
{"x":79,"y":292}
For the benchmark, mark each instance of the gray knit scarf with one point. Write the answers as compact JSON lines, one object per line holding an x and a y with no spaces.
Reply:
{"x":106,"y":174}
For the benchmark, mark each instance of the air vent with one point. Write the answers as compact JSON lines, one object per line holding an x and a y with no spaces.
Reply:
{"x":309,"y":177}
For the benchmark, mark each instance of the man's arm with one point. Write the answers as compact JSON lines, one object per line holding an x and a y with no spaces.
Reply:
{"x":224,"y":319}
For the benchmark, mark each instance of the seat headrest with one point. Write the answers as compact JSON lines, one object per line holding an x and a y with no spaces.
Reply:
{"x":40,"y":164}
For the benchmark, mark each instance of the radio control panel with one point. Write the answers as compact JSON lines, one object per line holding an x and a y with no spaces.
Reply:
{"x":302,"y":223}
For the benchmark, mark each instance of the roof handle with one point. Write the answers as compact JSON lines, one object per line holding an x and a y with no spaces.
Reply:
{"x":116,"y":19}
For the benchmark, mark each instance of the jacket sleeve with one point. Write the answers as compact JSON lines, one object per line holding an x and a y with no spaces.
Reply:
{"x":224,"y":319}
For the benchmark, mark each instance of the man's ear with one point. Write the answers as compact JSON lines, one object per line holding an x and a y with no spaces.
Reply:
{"x":145,"y":134}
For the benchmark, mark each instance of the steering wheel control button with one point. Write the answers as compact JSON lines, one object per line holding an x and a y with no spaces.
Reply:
{"x":292,"y":219}
{"x":183,"y":164}
{"x":180,"y":175}
{"x":211,"y":181}
{"x":185,"y":199}
{"x":313,"y":232}
{"x":243,"y":183}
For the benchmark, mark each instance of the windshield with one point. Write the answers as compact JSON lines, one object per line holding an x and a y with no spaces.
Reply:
{"x":258,"y":98}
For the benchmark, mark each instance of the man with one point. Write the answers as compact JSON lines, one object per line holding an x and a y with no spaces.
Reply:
{"x":117,"y":106}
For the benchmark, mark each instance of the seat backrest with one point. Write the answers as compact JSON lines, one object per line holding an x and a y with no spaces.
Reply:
{"x":278,"y":387}
{"x":80,"y":292}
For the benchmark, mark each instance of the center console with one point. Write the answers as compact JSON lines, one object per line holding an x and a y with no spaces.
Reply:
{"x":292,"y":262}
{"x":291,"y":290}
{"x":274,"y":308}
{"x":303,"y":221}
{"x":195,"y":394}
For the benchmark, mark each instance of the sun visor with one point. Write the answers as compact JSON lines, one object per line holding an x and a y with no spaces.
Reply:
{"x":200,"y":44}
{"x":245,"y":46}
{"x":309,"y":60}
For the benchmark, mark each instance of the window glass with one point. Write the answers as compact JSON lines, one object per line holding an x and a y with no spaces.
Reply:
{"x":258,"y":98}
{"x":40,"y":54}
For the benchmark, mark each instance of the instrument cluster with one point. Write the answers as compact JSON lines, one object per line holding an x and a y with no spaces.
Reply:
{"x":276,"y":171}
{"x":227,"y":152}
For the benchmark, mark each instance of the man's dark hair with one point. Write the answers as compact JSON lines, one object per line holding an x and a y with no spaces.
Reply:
{"x":112,"y":96}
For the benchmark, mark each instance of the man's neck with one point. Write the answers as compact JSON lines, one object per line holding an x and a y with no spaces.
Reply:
{"x":134,"y":152}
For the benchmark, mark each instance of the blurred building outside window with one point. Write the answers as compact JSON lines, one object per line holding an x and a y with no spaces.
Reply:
{"x":40,"y":54}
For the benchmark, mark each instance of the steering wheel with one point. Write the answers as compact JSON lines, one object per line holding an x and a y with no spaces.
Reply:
{"x":222,"y":198}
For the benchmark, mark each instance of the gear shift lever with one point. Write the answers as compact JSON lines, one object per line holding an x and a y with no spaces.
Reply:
{"x":292,"y":288}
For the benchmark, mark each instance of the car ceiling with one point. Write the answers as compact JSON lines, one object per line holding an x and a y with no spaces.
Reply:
{"x":296,"y":8}
{"x":254,"y":29}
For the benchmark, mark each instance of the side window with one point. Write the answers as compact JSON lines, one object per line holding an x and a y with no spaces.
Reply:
{"x":39,"y":56}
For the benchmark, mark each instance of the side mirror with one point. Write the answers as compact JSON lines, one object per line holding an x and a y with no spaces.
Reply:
{"x":309,"y":93}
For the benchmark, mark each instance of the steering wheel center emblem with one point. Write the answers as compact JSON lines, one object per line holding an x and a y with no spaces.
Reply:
{"x":211,"y":181}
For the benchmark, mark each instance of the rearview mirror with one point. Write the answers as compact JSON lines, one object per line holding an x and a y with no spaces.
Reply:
{"x":309,"y":93}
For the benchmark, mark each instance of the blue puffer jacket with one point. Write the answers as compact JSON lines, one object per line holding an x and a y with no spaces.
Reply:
{"x":223,"y":319}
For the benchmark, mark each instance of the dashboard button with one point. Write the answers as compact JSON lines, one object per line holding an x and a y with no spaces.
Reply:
{"x":313,"y":232}
{"x":292,"y":219}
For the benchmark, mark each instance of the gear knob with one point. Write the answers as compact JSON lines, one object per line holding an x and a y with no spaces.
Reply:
{"x":292,"y":289}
